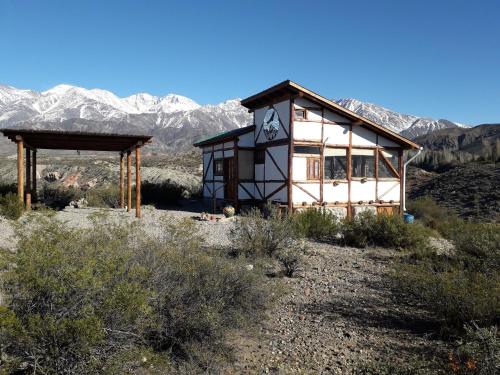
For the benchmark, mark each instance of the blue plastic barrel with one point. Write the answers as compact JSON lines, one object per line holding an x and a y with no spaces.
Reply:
{"x":408,"y":218}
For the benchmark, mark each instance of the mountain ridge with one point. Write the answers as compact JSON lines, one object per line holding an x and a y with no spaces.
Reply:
{"x":175,"y":120}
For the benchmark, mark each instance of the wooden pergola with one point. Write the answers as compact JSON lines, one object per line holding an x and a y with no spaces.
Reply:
{"x":33,"y":140}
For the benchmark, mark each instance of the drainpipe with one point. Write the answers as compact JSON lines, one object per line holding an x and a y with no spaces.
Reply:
{"x":404,"y":176}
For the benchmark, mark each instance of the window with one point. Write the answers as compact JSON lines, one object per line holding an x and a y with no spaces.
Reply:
{"x":219,"y":167}
{"x":300,"y":114}
{"x":335,"y":164}
{"x":260,"y":156}
{"x":310,"y":150}
{"x":386,"y":159}
{"x":363,"y":163}
{"x":313,"y":168}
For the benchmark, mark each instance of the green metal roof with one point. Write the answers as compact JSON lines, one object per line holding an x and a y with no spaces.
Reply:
{"x":219,"y":137}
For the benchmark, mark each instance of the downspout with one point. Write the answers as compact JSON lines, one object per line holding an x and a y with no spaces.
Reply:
{"x":404,"y":176}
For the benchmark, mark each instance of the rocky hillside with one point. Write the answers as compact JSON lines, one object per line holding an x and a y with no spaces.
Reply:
{"x":175,"y":121}
{"x":469,"y":190}
{"x":473,"y":140}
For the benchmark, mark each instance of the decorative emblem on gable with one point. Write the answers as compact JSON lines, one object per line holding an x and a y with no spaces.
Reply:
{"x":271,"y":124}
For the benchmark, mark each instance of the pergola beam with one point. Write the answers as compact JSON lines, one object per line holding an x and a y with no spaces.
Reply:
{"x":129,"y":180}
{"x":122,"y":183}
{"x":138,"y":181}
{"x":34,"y":195}
{"x":28,"y":178}
{"x":31,"y":140}
{"x":20,"y":170}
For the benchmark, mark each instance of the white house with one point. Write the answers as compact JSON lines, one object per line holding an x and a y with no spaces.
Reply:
{"x":305,"y":150}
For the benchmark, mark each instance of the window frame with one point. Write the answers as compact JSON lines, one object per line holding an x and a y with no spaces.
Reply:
{"x":384,"y":161}
{"x":303,"y":110}
{"x":311,"y":167}
{"x":373,"y":174}
{"x":259,"y":156}
{"x":216,"y":163}
{"x":346,"y":156}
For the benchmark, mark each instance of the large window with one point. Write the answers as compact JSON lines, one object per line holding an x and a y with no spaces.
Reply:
{"x":219,"y":167}
{"x":363,"y":163}
{"x":335,"y":164}
{"x":388,"y":164}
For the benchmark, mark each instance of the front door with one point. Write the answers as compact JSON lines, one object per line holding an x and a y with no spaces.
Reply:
{"x":229,"y":179}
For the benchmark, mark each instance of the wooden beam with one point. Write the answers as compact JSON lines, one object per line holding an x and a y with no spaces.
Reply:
{"x":290,"y":157}
{"x":122,"y":182}
{"x":401,"y":189}
{"x":349,"y":174}
{"x":129,"y":181}
{"x":28,"y":179}
{"x":389,"y":164}
{"x":34,"y":194}
{"x":20,"y":170}
{"x":138,"y":181}
{"x":307,"y":192}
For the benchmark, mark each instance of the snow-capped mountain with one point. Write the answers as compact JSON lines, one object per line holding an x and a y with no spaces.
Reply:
{"x":407,"y":125}
{"x":174,"y":120}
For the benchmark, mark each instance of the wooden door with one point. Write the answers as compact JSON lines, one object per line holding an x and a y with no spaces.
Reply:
{"x":229,"y":179}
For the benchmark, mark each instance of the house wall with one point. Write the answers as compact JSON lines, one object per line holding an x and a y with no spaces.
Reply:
{"x":322,"y":128}
{"x":325,"y":129}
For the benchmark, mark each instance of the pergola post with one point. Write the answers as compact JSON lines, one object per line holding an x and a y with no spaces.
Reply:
{"x":20,"y":169}
{"x":122,"y":183}
{"x":137,"y":181}
{"x":28,"y":178}
{"x":129,"y":180}
{"x":34,"y":195}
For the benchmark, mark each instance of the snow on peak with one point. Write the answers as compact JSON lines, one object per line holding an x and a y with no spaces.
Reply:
{"x":173,"y":103}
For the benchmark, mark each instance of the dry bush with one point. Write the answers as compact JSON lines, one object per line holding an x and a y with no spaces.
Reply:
{"x":268,"y":234}
{"x":367,"y":229}
{"x":317,"y":224}
{"x":90,"y":301}
{"x":10,"y":206}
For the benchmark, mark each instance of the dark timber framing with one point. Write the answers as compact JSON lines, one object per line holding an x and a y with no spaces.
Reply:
{"x":292,"y":92}
{"x":33,"y":140}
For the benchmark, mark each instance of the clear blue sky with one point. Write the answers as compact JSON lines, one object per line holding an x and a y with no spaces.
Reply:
{"x":436,"y":58}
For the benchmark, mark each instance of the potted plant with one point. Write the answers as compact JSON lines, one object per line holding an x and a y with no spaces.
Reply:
{"x":228,"y":211}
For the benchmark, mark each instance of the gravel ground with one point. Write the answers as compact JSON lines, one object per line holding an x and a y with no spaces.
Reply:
{"x":215,"y":232}
{"x":340,"y":311}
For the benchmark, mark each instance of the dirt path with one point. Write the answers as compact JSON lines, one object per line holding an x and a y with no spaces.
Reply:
{"x":340,"y":312}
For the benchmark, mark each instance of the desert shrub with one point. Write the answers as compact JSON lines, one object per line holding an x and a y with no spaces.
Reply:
{"x":478,"y":352}
{"x":480,"y":241}
{"x":290,"y":260}
{"x":7,"y":188}
{"x":457,"y":296}
{"x":10,"y":206}
{"x":268,"y":234}
{"x":367,"y":229}
{"x":163,"y":193}
{"x":80,"y":301}
{"x":415,"y":366}
{"x":108,"y":196}
{"x":428,"y":212}
{"x":317,"y":224}
{"x":58,"y":197}
{"x":254,"y":234}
